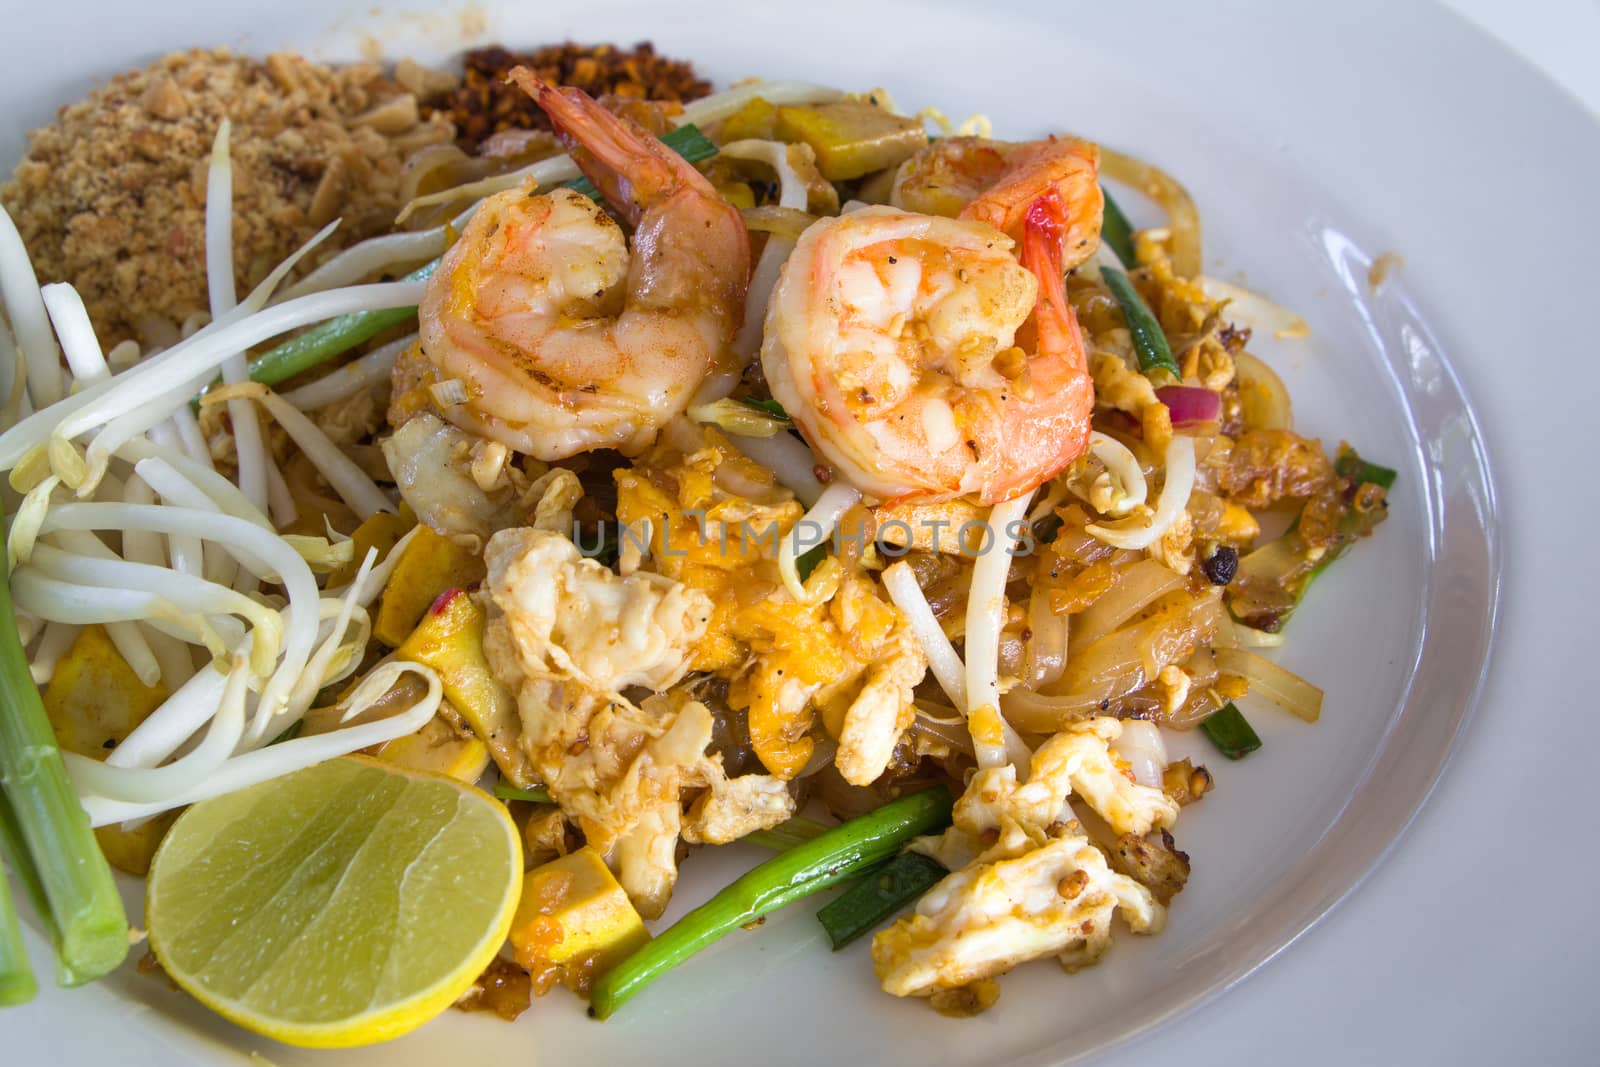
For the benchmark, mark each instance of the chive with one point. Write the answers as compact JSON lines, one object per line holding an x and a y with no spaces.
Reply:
{"x":81,"y":897}
{"x":1351,"y":465}
{"x":336,"y":336}
{"x":1230,"y":732}
{"x":511,"y":792}
{"x":786,"y":835}
{"x":810,"y":559}
{"x":686,"y":140}
{"x":840,"y":853}
{"x":771,"y":407}
{"x":323,"y":342}
{"x":17,"y":984}
{"x":1148,"y":340}
{"x":867,"y":904}
{"x":1116,"y":232}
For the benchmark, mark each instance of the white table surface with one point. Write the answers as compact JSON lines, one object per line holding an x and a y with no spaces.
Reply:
{"x":1504,"y":974}
{"x":1393,"y":976}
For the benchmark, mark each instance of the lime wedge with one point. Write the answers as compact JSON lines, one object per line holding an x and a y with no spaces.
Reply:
{"x":344,"y":904}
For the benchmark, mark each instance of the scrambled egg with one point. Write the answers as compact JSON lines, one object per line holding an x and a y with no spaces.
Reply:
{"x":715,"y":519}
{"x":1027,"y":882}
{"x":567,"y":635}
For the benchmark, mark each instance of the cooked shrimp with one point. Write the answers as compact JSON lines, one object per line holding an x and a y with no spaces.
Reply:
{"x":923,"y":360}
{"x":997,"y":181}
{"x":562,"y":340}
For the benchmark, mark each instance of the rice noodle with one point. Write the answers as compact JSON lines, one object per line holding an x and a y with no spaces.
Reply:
{"x":1182,"y":215}
{"x":822,"y":519}
{"x":986,"y":607}
{"x":1134,"y":590}
{"x":1249,"y":308}
{"x":1138,"y":533}
{"x":25,"y":311}
{"x":1046,"y":651}
{"x":778,"y":221}
{"x":354,"y":377}
{"x":789,"y":459}
{"x":1277,"y":683}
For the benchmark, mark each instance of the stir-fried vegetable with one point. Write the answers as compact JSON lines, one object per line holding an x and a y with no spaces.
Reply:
{"x":1230,"y":732}
{"x":1148,"y":340}
{"x":1351,"y":465}
{"x":827,"y":860}
{"x":84,"y":908}
{"x":1116,"y":231}
{"x":867,"y":904}
{"x":1272,"y":581}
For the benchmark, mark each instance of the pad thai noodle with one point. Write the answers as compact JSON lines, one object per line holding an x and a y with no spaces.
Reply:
{"x":770,"y":466}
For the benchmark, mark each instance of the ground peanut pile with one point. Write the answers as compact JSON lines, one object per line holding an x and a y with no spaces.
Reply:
{"x":112,"y":196}
{"x":485,"y":103}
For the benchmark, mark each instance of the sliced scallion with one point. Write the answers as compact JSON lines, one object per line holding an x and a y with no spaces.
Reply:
{"x":1116,"y":231}
{"x":1148,"y":341}
{"x":1230,"y":732}
{"x":877,"y":896}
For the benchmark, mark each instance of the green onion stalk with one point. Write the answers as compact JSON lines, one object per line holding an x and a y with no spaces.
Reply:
{"x":877,"y":896}
{"x":832,"y":857}
{"x":1148,"y":341}
{"x":17,"y":985}
{"x":53,"y":834}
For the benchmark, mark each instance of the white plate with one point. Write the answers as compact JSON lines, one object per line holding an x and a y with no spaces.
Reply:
{"x":1310,"y":149}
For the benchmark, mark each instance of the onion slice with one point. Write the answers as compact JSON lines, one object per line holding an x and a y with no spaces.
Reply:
{"x":1278,"y":684}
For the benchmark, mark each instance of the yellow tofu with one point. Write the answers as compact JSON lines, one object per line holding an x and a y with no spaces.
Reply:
{"x":755,"y":120}
{"x":438,"y":748}
{"x":94,"y":701}
{"x":851,"y":139}
{"x":449,"y":638}
{"x":574,"y":920}
{"x":379,"y":532}
{"x":431,"y":564}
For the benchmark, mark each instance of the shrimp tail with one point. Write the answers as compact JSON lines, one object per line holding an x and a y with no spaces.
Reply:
{"x":1043,"y":227}
{"x":632,"y":169}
